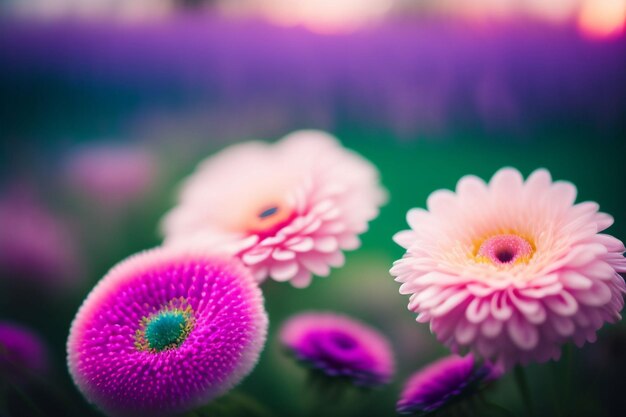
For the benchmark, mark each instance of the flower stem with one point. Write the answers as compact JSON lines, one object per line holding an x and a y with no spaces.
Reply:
{"x":484,"y":402}
{"x":524,"y":389}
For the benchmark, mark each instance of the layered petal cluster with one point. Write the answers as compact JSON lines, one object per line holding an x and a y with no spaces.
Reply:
{"x":339,"y":346}
{"x":288,"y":210}
{"x":165,"y":331}
{"x":512,"y":269}
{"x":442,"y":383}
{"x":22,"y":353}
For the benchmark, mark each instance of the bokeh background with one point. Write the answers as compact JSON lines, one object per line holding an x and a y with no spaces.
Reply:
{"x":105,"y":105}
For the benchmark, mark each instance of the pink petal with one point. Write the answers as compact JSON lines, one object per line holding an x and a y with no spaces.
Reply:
{"x":491,"y":327}
{"x":564,"y":193}
{"x":563,"y":304}
{"x":349,"y":241}
{"x":283,"y":255}
{"x":273,"y":240}
{"x":404,"y":238}
{"x":541,"y":292}
{"x":564,"y":326}
{"x":465,"y":332}
{"x":303,"y":244}
{"x":441,"y":201}
{"x":537,"y":182}
{"x":256,"y":256}
{"x":325,"y":244}
{"x":416,"y":217}
{"x":315,"y":263}
{"x":471,"y":186}
{"x":604,"y":221}
{"x":500,"y":308}
{"x":450,"y":303}
{"x":283,"y":271}
{"x":477,"y":310}
{"x":332,"y":228}
{"x":524,"y":335}
{"x":506,"y":181}
{"x":312,"y":227}
{"x":598,"y":295}
{"x":574,"y":280}
{"x":302,"y":279}
{"x":335,"y":259}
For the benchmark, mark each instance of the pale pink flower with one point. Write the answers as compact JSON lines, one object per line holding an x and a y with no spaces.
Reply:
{"x":288,"y":210}
{"x":511,"y":270}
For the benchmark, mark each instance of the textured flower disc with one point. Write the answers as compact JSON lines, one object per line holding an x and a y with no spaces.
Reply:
{"x":288,"y":210}
{"x":165,"y":331}
{"x":512,"y":269}
{"x":339,"y":347}
{"x":443,"y":382}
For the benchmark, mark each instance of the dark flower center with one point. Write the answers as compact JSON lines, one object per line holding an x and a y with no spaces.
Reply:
{"x":505,"y":249}
{"x":268,"y":212}
{"x":343,"y":341}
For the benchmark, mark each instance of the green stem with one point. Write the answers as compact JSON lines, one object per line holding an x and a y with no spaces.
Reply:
{"x":557,"y":389}
{"x":567,"y":377}
{"x":483,"y":401}
{"x":501,"y":409}
{"x":524,"y":389}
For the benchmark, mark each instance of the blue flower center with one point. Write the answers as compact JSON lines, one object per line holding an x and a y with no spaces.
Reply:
{"x":268,"y":212}
{"x":166,"y":330}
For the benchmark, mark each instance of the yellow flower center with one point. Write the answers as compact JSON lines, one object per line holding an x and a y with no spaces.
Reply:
{"x":504,"y":249}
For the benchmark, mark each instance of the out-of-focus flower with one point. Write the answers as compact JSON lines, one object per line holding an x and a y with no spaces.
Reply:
{"x":602,"y":18}
{"x":22,"y":353}
{"x":35,"y":245}
{"x":324,"y":16}
{"x":111,"y":175}
{"x":287,"y":210}
{"x":511,"y":269}
{"x":165,"y":331}
{"x":443,"y":382}
{"x":136,"y":10}
{"x":339,"y":346}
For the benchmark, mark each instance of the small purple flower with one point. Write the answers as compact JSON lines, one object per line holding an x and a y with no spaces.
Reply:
{"x":339,"y":346}
{"x":443,"y":382}
{"x":22,"y":352}
{"x":165,"y":331}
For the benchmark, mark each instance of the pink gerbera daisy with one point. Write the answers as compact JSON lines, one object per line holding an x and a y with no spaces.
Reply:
{"x":288,"y":210}
{"x":511,"y":269}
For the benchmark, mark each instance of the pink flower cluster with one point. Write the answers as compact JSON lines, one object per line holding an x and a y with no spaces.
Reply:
{"x":288,"y":210}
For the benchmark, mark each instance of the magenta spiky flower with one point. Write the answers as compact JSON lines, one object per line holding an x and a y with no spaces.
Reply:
{"x":288,"y":210}
{"x":339,"y":346}
{"x":511,"y":270}
{"x":165,"y":331}
{"x":22,"y":353}
{"x":443,"y":382}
